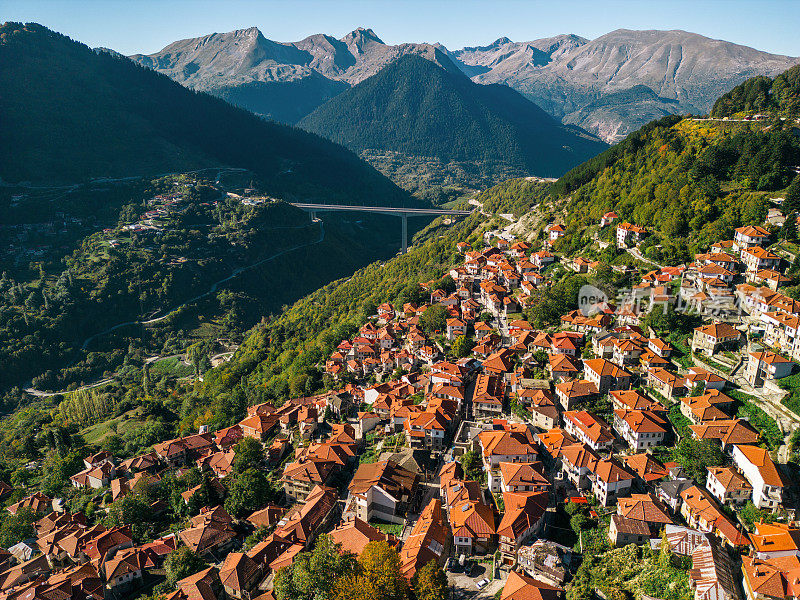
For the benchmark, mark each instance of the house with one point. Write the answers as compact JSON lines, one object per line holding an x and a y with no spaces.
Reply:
{"x":523,"y":518}
{"x":728,"y":432}
{"x":541,"y":406}
{"x":633,"y":400}
{"x":428,"y":541}
{"x":574,"y":392}
{"x":641,"y":429}
{"x":239,"y":575}
{"x":489,"y":394}
{"x":589,"y":429}
{"x":355,"y":534}
{"x":758,"y":259}
{"x":455,"y":328}
{"x":762,"y":473}
{"x":473,"y":527}
{"x":629,"y":234}
{"x":563,"y":367}
{"x":772,"y":579}
{"x":523,"y":477}
{"x":611,"y":480}
{"x":522,"y":587}
{"x":712,"y":574}
{"x":706,"y":407}
{"x":606,"y":375}
{"x":702,"y":512}
{"x":211,"y":532}
{"x":766,"y":366}
{"x":775,"y":540}
{"x":608,"y":218}
{"x":36,"y":502}
{"x":123,"y":572}
{"x":578,"y":462}
{"x":728,"y":486}
{"x":749,"y":236}
{"x":623,"y":531}
{"x":382,"y":491}
{"x":665,"y":383}
{"x":554,"y":231}
{"x":512,"y":443}
{"x":303,"y":475}
{"x":646,"y":467}
{"x":303,"y":523}
{"x":647,"y":509}
{"x":669,"y":492}
{"x":714,"y":337}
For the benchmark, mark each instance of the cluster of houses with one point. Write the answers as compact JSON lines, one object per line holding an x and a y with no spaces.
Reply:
{"x":474,"y":455}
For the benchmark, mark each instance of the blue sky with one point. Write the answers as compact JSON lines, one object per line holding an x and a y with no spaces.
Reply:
{"x":131,"y":26}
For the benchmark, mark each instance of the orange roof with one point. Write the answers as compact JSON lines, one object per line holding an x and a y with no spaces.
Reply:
{"x":775,"y":537}
{"x":760,"y":458}
{"x":522,"y":587}
{"x":595,"y":428}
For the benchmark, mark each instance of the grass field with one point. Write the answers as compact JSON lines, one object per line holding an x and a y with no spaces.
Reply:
{"x":96,"y":434}
{"x":171,"y":366}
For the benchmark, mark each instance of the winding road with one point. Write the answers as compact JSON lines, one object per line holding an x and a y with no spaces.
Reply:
{"x":214,"y":287}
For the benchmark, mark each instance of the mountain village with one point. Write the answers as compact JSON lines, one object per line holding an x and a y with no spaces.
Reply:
{"x":471,"y":462}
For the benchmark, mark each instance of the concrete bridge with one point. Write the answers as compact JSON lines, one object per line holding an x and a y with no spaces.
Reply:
{"x":403,"y":213}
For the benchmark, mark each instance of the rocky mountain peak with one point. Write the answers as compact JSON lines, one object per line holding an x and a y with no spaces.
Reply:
{"x":360,"y":39}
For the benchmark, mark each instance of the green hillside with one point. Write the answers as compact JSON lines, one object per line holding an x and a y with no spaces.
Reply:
{"x":780,"y":96}
{"x":691,"y":182}
{"x":417,"y":107}
{"x":69,"y":113}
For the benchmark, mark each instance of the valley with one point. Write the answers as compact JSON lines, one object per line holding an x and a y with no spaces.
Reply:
{"x":228,"y":371}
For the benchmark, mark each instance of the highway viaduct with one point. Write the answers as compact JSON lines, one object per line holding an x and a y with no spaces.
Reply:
{"x":403,"y":213}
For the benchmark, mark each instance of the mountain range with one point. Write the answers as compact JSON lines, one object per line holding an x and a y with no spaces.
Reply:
{"x":70,"y":114}
{"x":425,"y":106}
{"x":596,"y":84}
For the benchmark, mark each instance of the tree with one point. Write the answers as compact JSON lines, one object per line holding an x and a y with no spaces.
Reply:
{"x":791,"y":202}
{"x":181,"y":563}
{"x":433,"y":319}
{"x":695,"y":456}
{"x":430,"y":582}
{"x":472,"y":464}
{"x":313,"y":574}
{"x":789,"y":229}
{"x":378,"y":576}
{"x":18,"y":527}
{"x":248,"y":492}
{"x":249,"y":454}
{"x":462,"y":346}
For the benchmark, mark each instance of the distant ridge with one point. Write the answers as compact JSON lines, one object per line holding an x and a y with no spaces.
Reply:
{"x":70,"y":113}
{"x":566,"y":75}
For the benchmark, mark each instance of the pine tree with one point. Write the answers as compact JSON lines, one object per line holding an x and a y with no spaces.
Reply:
{"x":791,"y":202}
{"x":789,"y":229}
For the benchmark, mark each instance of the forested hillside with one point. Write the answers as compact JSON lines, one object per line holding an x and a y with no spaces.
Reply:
{"x":691,"y":182}
{"x":780,"y":95}
{"x":278,"y":359}
{"x":144,"y":267}
{"x":418,"y":108}
{"x":70,"y":113}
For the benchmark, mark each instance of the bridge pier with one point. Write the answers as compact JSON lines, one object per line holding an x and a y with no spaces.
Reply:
{"x":404,"y":247}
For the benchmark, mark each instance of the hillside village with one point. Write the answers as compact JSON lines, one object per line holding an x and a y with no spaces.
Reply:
{"x":459,"y":434}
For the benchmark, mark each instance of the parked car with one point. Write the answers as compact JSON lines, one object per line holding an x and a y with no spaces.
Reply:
{"x":482,"y":583}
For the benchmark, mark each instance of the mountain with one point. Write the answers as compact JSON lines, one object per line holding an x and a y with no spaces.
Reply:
{"x":70,"y":113}
{"x":566,"y":75}
{"x":613,"y":116}
{"x":686,"y":67}
{"x":279,"y":80}
{"x":418,"y":107}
